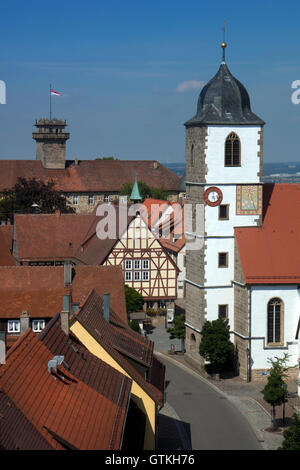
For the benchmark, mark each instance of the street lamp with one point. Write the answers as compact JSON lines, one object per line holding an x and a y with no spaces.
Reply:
{"x":248,"y":357}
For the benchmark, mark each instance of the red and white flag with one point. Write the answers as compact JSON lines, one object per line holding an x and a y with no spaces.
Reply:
{"x":52,"y":92}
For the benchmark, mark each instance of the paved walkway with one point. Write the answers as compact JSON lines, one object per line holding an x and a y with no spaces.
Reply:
{"x":246,"y":397}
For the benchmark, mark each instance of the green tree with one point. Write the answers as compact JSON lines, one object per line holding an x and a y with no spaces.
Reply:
{"x":134,"y":325}
{"x":178,"y":331}
{"x":134,"y":300}
{"x":292,"y":435}
{"x":275,"y":391}
{"x":145,"y":191}
{"x":26,"y":193}
{"x":215,"y":345}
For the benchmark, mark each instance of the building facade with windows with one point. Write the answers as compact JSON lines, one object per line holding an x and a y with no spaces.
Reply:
{"x":224,"y":155}
{"x":84,"y":183}
{"x":223,"y":165}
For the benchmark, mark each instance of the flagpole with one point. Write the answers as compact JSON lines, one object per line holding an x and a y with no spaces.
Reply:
{"x":50,"y":103}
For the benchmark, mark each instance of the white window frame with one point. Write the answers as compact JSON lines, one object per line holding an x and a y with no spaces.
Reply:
{"x":106,"y":198}
{"x":91,"y":199}
{"x":137,"y":267}
{"x":146,"y":264}
{"x":129,"y":261}
{"x":40,"y":327}
{"x":137,"y":274}
{"x":128,"y":275}
{"x":75,"y":199}
{"x":16,"y":326}
{"x":146,"y":276}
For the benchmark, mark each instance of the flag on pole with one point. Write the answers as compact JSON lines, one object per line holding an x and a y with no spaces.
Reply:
{"x":52,"y":92}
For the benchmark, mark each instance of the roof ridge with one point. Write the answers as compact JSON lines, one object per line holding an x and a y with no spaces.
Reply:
{"x":18,"y":342}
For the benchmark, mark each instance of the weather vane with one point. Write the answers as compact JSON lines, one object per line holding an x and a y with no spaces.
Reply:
{"x":224,"y":45}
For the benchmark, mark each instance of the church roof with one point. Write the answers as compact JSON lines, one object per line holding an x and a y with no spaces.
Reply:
{"x":224,"y":100}
{"x":270,"y":254}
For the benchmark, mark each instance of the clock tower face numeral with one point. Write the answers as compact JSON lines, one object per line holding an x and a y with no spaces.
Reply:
{"x":213,"y":196}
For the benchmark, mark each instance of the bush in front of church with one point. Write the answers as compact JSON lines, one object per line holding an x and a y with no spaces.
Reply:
{"x":215,"y":345}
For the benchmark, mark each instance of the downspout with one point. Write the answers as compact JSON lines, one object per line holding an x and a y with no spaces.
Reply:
{"x":249,"y":344}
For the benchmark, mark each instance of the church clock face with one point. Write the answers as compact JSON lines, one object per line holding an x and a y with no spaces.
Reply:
{"x":213,"y":196}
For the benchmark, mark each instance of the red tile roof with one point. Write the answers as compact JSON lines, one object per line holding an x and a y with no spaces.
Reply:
{"x":270,"y":254}
{"x":152,"y":211}
{"x":39,"y":289}
{"x":16,"y":432}
{"x":50,"y":236}
{"x":67,"y":412}
{"x":90,"y":175}
{"x":85,"y":366}
{"x":6,"y":258}
{"x":122,"y":343}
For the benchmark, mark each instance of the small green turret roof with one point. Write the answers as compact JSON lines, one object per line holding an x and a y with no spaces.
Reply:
{"x":135,"y":193}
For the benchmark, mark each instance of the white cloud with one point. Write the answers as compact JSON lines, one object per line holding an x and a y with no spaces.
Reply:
{"x":189,"y":85}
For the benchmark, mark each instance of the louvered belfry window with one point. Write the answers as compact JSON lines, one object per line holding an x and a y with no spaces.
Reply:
{"x":232,"y":150}
{"x":275,"y":308}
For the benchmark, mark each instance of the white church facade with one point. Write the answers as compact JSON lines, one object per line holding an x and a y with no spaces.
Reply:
{"x":224,"y":156}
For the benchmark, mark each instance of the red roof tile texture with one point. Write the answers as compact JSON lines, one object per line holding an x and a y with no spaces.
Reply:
{"x":120,"y":341}
{"x":6,"y":258}
{"x":67,"y":412}
{"x":16,"y":432}
{"x":50,"y":236}
{"x":90,"y":175}
{"x":85,"y":366}
{"x":39,"y":289}
{"x":270,"y":254}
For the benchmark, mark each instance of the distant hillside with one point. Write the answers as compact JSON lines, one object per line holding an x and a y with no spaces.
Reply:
{"x":288,"y":172}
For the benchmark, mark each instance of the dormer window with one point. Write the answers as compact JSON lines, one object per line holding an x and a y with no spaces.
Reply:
{"x":233,"y":150}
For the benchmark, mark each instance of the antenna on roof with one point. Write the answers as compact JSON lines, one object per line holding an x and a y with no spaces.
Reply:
{"x":223,"y":45}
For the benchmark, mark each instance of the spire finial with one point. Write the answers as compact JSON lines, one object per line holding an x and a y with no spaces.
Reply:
{"x":223,"y":45}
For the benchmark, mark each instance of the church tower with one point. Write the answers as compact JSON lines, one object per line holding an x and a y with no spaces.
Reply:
{"x":51,"y":138}
{"x":224,"y":156}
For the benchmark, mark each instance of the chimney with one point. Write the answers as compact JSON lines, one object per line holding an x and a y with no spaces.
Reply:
{"x":106,"y":307}
{"x":24,"y":321}
{"x":2,"y":347}
{"x":155,"y":165}
{"x":67,"y":274}
{"x":65,"y":314}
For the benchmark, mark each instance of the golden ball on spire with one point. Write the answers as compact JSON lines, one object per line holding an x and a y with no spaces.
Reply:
{"x":223,"y":45}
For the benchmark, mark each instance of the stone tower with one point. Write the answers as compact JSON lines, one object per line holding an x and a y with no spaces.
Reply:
{"x":224,"y":143}
{"x":51,"y":138}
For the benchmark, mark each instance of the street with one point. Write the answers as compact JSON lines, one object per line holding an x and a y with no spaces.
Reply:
{"x":209,"y":420}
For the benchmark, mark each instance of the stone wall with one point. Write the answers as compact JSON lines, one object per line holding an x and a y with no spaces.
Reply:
{"x":83,"y":206}
{"x":241,"y":323}
{"x":196,"y":170}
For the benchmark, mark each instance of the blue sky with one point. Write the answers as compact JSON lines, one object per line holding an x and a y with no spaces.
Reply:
{"x":121,"y":67}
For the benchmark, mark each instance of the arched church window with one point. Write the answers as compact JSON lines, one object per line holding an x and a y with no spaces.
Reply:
{"x":275,"y":317}
{"x":192,"y":155}
{"x":232,"y":150}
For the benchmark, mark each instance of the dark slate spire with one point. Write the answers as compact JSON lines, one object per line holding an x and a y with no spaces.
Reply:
{"x":224,"y":100}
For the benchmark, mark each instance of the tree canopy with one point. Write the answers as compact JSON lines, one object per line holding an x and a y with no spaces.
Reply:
{"x":134,"y":300}
{"x":145,"y":191}
{"x":215,"y":345}
{"x":29,"y":196}
{"x":178,"y":331}
{"x":275,"y":391}
{"x":292,"y":435}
